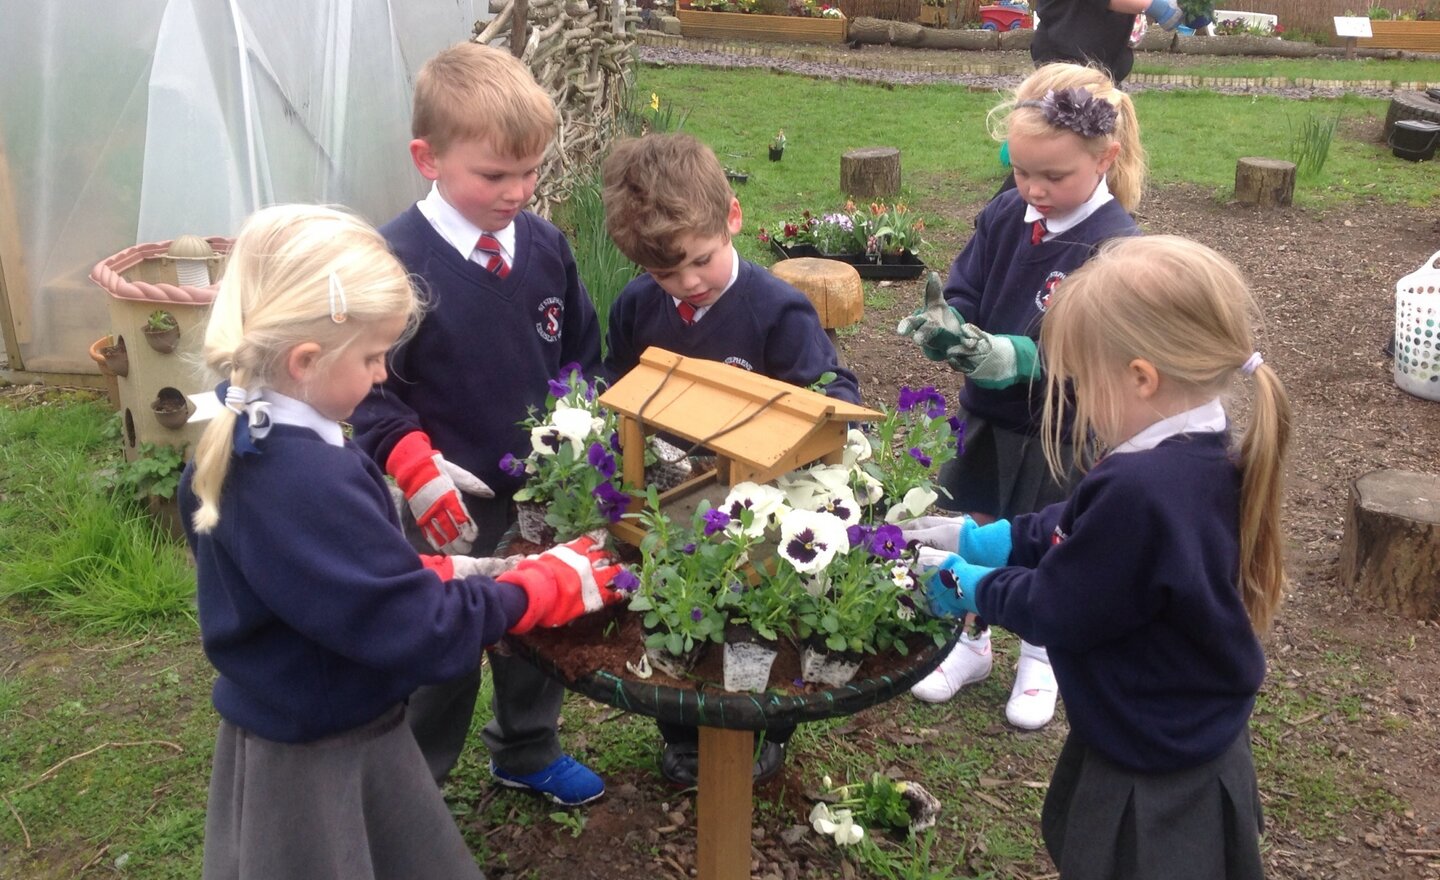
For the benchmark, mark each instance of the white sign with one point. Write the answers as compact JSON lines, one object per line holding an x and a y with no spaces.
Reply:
{"x":1352,"y":26}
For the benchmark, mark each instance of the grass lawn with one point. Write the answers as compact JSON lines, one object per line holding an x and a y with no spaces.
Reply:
{"x":105,"y":723}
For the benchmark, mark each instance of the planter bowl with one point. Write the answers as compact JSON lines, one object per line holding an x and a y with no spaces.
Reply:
{"x":902,"y":266}
{"x":163,"y":341}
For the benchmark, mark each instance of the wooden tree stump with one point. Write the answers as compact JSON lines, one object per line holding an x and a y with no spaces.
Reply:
{"x":1266,"y":183}
{"x":870,"y":172}
{"x":833,"y":288}
{"x":1391,"y":548}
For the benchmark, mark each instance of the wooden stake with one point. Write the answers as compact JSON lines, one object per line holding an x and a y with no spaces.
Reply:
{"x":725,"y":803}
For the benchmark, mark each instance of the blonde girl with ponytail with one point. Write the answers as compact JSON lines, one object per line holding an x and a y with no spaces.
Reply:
{"x":319,"y":617}
{"x":1152,"y":584}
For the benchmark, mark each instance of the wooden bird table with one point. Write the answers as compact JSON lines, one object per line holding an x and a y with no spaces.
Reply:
{"x":725,"y":803}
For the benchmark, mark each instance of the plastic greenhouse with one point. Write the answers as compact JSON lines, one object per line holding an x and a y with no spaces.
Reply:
{"x":150,"y":119}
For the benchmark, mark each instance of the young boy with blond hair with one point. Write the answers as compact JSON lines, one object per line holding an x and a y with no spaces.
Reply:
{"x":669,"y":207}
{"x":507,"y":311}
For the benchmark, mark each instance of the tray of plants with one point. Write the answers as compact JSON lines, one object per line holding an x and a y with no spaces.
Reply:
{"x":879,"y":241}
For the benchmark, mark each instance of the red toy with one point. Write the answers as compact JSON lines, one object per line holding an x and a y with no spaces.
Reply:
{"x":1004,"y":18}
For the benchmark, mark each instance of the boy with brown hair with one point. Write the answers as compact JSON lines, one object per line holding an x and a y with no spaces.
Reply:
{"x":669,"y":208}
{"x":507,"y":311}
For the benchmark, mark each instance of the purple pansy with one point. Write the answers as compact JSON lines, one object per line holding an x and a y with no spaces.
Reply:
{"x":611,"y":501}
{"x":858,"y":534}
{"x":615,"y":440}
{"x":917,"y":454}
{"x":908,"y":399}
{"x":601,"y":460}
{"x":688,"y":549}
{"x":558,"y":388}
{"x":887,"y":542}
{"x":957,"y":427}
{"x":625,"y":581}
{"x":697,"y":615}
{"x":512,"y":465}
{"x":715,"y":521}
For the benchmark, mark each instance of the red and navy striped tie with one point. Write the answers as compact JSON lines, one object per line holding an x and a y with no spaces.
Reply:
{"x":489,"y":248}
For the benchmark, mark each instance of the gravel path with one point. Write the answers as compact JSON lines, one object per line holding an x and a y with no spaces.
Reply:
{"x":1019,"y":61}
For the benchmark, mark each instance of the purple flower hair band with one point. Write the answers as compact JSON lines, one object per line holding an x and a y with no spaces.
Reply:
{"x":1077,"y":110}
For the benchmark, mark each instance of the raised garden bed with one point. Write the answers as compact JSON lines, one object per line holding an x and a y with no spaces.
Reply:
{"x":765,"y":28}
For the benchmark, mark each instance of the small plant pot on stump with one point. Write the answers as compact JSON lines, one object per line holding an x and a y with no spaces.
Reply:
{"x":831,"y":668}
{"x":171,"y":409}
{"x":748,"y":659}
{"x":530,"y":516}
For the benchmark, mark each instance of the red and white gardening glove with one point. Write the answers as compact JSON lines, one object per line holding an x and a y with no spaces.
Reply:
{"x":451,"y":567}
{"x":564,"y":582}
{"x":432,"y":488}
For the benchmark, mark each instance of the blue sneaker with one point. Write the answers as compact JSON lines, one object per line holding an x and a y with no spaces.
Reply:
{"x":566,"y":781}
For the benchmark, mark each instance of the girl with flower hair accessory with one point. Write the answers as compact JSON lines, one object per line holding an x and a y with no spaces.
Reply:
{"x":1079,"y":169}
{"x":319,"y":617}
{"x":1152,"y":583}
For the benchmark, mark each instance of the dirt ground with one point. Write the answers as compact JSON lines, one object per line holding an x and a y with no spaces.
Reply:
{"x":1326,"y":283}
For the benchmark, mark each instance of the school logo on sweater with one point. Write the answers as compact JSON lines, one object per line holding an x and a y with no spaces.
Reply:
{"x":1057,"y":536}
{"x":552,"y":313}
{"x":739,"y":362}
{"x":1042,"y":296}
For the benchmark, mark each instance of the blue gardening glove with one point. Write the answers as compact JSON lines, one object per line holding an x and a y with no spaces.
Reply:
{"x":982,"y":545}
{"x":1165,"y":14}
{"x":951,"y":583}
{"x":994,"y":361}
{"x":936,"y":325}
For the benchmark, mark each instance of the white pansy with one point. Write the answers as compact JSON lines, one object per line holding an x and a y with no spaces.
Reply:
{"x":847,"y":832}
{"x":900,"y":574}
{"x":915,"y":502}
{"x":841,"y":504}
{"x":767,"y":503}
{"x":810,"y":539}
{"x":869,"y":490}
{"x":857,"y":447}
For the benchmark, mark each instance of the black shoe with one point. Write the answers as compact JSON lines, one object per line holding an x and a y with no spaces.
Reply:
{"x":680,"y":763}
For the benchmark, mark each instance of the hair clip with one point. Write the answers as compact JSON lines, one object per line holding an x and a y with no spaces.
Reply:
{"x":338,"y":308}
{"x":1078,"y":110}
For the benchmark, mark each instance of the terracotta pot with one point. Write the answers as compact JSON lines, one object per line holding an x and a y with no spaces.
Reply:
{"x":112,"y":358}
{"x":163,"y":341}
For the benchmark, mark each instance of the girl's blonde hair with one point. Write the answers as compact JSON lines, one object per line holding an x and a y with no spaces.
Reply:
{"x":1188,"y":311}
{"x":1126,"y":177}
{"x":277,"y":294}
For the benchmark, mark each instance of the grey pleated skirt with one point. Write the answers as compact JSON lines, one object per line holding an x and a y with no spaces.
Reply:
{"x":360,"y":805}
{"x":1001,"y":473}
{"x":1103,"y":822}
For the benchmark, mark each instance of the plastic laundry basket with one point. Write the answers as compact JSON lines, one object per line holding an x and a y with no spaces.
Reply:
{"x":1417,"y":330}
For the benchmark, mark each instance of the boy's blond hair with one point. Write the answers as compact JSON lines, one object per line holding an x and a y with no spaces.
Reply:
{"x":661,"y":187}
{"x":1126,"y":177}
{"x":476,"y":92}
{"x":1188,"y":311}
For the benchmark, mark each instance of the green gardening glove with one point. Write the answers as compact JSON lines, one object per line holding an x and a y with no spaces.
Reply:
{"x":936,"y":326}
{"x":994,"y":361}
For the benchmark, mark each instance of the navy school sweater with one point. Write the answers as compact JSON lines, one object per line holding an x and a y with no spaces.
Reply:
{"x":760,"y":324}
{"x":1002,"y":283}
{"x":484,"y":351}
{"x":314,"y":610}
{"x":1132,"y":585}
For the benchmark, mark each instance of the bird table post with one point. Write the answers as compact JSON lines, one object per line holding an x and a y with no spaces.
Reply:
{"x":725,"y":803}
